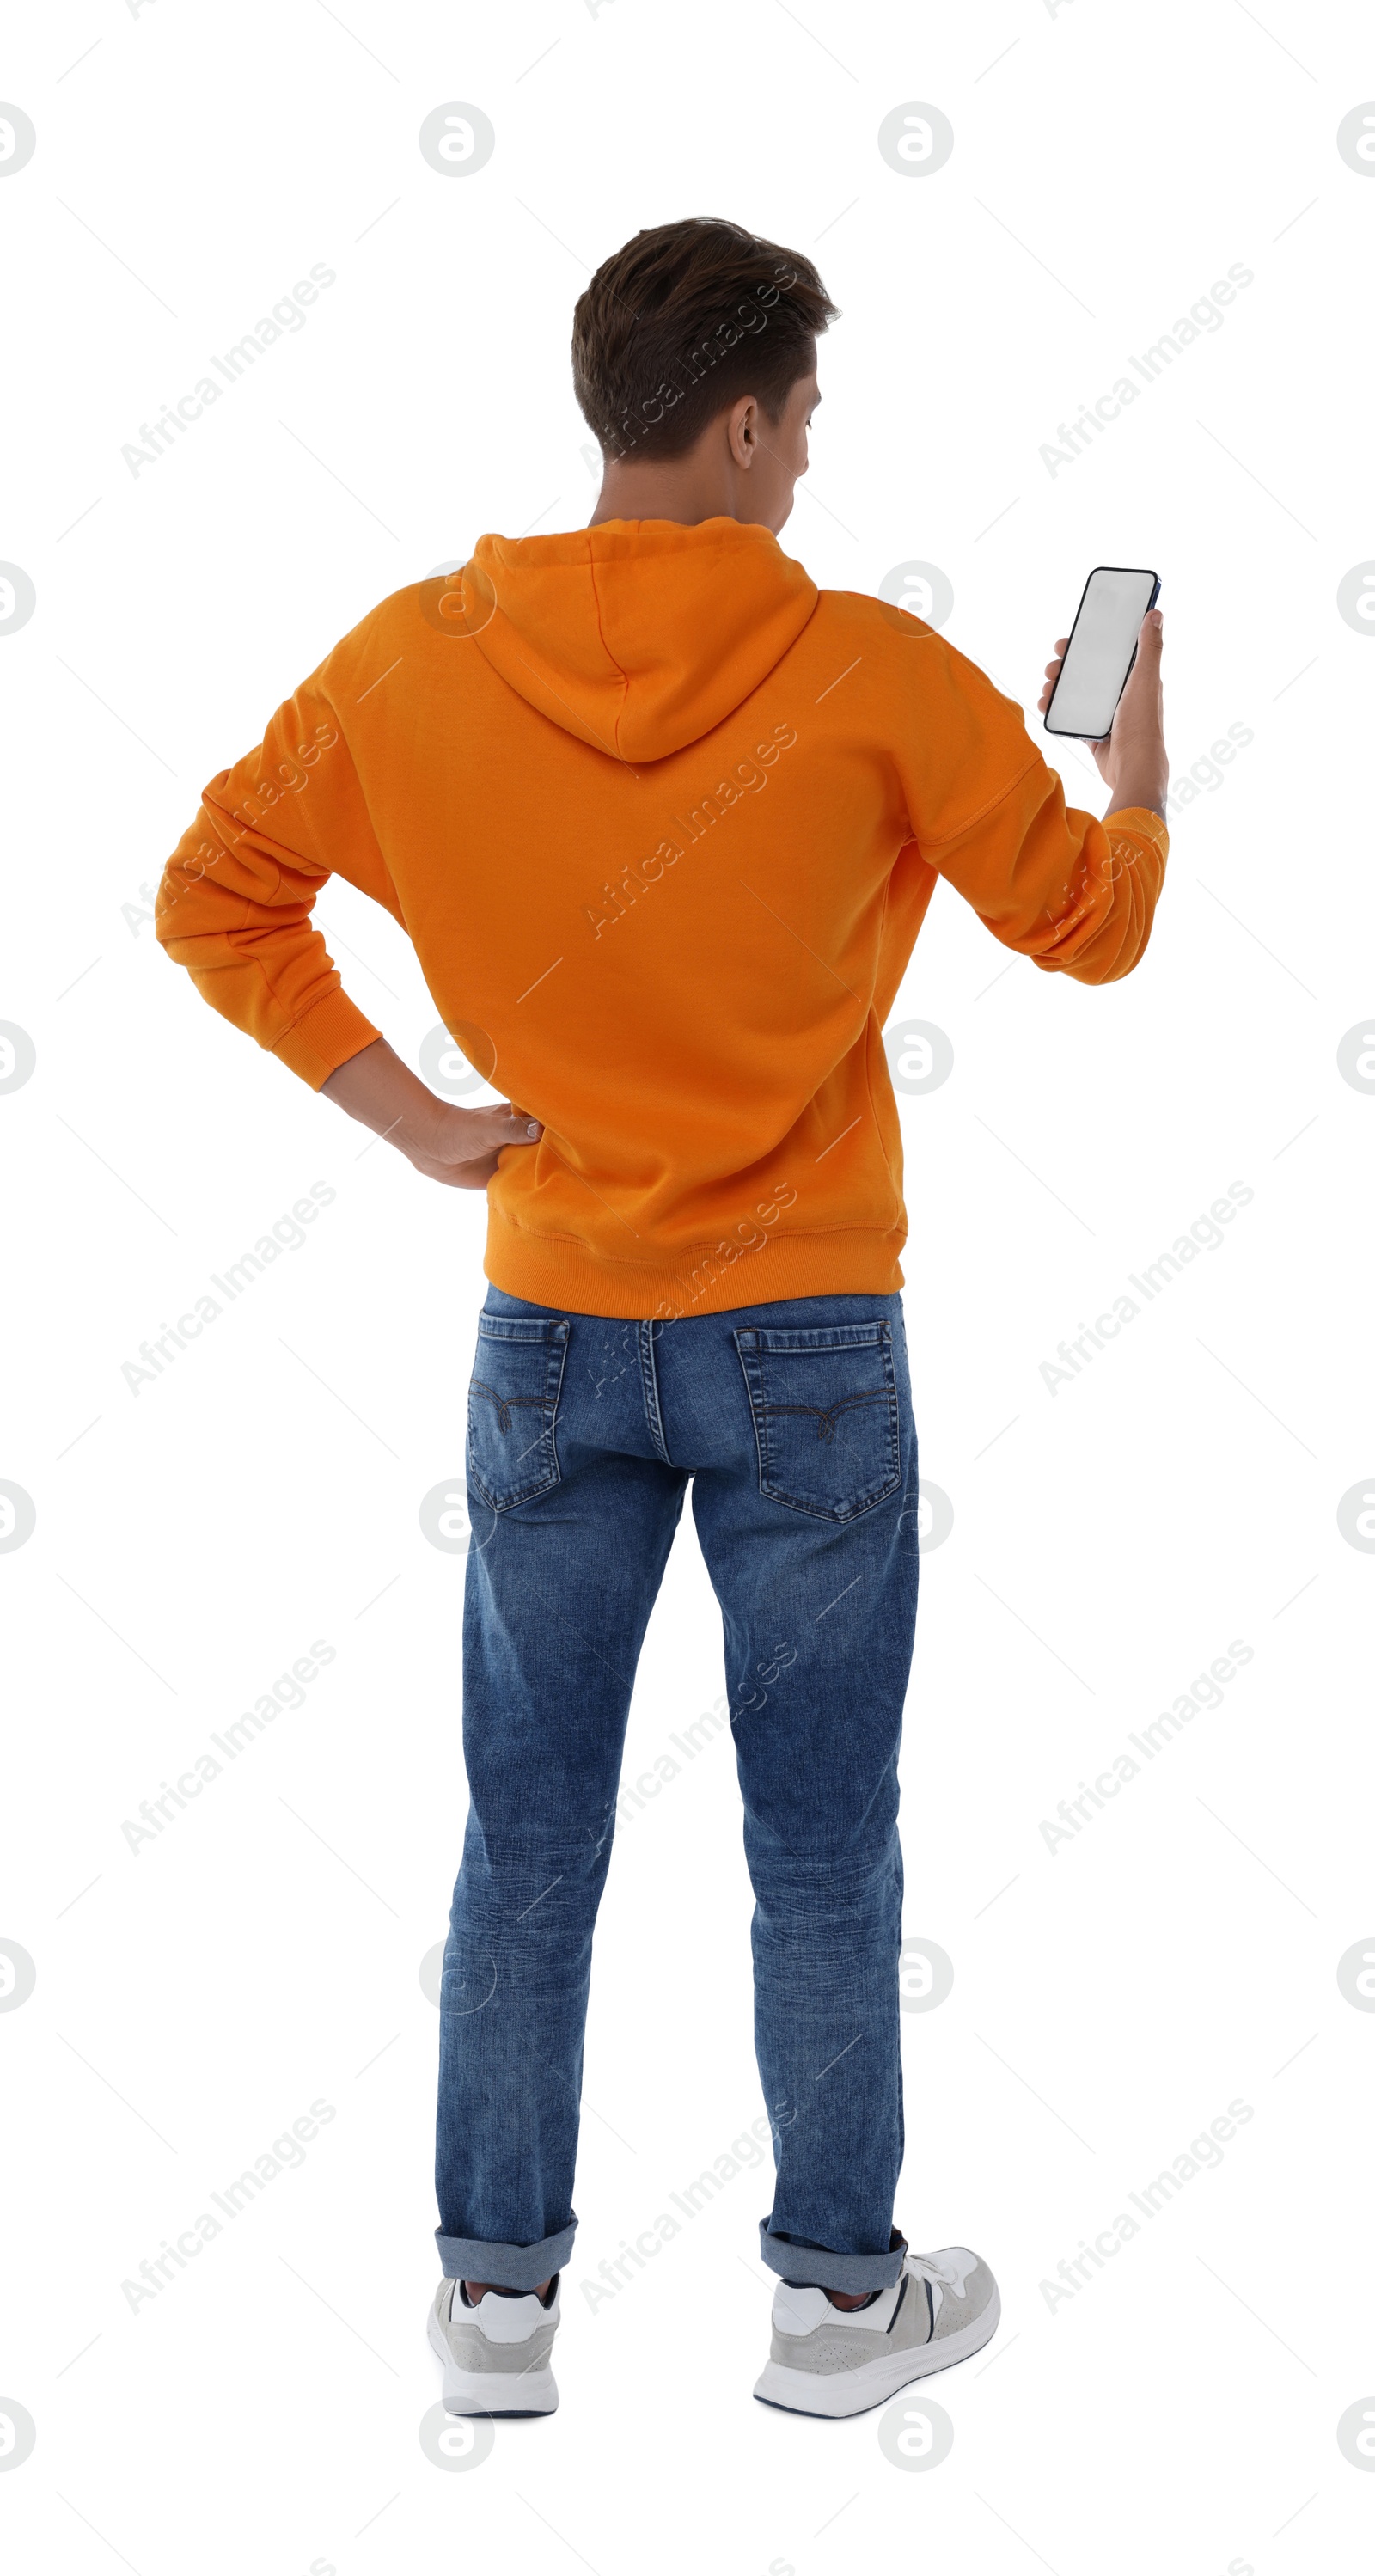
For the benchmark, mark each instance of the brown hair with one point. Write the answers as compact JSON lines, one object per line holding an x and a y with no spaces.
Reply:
{"x":681,"y":322}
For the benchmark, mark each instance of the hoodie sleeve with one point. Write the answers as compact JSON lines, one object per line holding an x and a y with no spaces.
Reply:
{"x":234,"y":907}
{"x":1075,"y":895}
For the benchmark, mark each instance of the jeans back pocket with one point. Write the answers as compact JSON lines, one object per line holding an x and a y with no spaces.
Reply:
{"x":825,"y":1409}
{"x":513,"y":1402}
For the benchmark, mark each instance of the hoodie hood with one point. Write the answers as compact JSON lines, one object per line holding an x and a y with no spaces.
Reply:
{"x":638,"y":635}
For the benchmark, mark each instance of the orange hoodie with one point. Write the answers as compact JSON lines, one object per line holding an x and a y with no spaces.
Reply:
{"x":662,"y":821}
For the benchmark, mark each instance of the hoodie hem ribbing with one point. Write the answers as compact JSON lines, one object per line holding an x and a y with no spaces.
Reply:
{"x":857,"y":1261}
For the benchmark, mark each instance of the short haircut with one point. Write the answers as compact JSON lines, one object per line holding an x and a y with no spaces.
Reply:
{"x":681,"y":322}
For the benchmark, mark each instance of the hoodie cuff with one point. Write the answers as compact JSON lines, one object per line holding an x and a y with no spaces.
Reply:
{"x":325,"y":1037}
{"x":1143,"y":823}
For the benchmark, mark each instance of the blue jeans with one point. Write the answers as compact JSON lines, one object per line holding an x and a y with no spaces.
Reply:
{"x":794,"y":1424}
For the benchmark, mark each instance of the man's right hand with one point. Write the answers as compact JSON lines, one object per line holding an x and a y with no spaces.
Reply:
{"x":464,"y":1145}
{"x":459,"y":1147}
{"x":1132,"y":758}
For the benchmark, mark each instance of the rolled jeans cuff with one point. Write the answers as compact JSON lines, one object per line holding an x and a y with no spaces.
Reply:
{"x":510,"y":2267}
{"x":815,"y":2267}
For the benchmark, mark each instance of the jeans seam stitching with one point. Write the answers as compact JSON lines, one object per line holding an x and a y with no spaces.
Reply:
{"x":649,"y":1381}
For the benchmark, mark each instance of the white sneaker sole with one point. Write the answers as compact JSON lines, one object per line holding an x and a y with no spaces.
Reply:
{"x":491,"y":2392}
{"x":853,"y":2392}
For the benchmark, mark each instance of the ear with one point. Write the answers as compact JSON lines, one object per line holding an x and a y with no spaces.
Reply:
{"x":742,"y":431}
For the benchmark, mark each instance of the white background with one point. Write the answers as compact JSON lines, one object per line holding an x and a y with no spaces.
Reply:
{"x":1109,"y":1540}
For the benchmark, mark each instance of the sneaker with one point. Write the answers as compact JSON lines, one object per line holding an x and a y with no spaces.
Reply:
{"x":495,"y":2349}
{"x":838,"y":2361}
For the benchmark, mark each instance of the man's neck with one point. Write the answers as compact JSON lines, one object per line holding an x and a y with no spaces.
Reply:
{"x":688,"y":494}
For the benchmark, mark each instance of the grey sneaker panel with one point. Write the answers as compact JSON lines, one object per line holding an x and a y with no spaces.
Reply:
{"x":957,"y":2313}
{"x":832,"y":2346}
{"x":825,"y":2351}
{"x":472,"y":2350}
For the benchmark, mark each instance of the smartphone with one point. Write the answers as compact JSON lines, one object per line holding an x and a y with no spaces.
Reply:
{"x":1100,"y":651}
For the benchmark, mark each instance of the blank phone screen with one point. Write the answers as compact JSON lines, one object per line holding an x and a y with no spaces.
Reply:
{"x":1100,"y":651}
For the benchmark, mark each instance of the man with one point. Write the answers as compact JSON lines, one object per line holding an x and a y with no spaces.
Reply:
{"x":662,"y":822}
